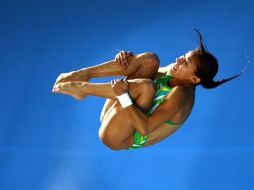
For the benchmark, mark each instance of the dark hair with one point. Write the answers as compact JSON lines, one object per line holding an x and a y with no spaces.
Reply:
{"x":207,"y":67}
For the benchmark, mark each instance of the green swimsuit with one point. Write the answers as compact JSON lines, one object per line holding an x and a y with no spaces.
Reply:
{"x":162,"y":89}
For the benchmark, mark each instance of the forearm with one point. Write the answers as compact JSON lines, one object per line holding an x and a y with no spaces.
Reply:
{"x":138,"y":119}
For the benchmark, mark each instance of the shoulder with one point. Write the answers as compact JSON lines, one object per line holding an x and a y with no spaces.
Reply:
{"x":184,"y":90}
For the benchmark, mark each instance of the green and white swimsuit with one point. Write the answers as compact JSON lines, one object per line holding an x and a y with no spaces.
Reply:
{"x":162,"y":89}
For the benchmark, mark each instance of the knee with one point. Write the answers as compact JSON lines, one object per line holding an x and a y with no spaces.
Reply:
{"x":143,"y":91}
{"x":152,"y":59}
{"x":149,"y":64}
{"x":140,"y":87}
{"x":147,"y":86}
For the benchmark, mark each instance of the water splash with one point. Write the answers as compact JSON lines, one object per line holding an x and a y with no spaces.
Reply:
{"x":246,"y":55}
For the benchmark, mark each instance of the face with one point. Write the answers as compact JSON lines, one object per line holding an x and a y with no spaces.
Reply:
{"x":185,"y":68}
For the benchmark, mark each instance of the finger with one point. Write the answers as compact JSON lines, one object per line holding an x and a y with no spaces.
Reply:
{"x":122,"y":82}
{"x":113,"y":83}
{"x":129,"y":53}
{"x":125,"y":80}
{"x":125,"y":83}
{"x":119,"y":82}
{"x":122,"y":58}
{"x":118,"y":59}
{"x":125,"y":59}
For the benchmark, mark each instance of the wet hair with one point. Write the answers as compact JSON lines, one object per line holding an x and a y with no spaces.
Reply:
{"x":207,"y":67}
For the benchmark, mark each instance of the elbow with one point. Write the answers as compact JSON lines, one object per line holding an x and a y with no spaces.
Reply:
{"x":144,"y":128}
{"x":143,"y":132}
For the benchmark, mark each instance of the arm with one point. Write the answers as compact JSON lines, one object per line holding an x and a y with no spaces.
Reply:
{"x":173,"y":103}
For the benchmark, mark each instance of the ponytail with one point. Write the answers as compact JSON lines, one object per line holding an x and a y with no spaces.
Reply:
{"x":213,"y":84}
{"x":208,"y":67}
{"x":201,"y":46}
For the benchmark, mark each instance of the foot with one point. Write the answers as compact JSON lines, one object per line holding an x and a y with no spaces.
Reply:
{"x":71,"y":76}
{"x":74,"y":89}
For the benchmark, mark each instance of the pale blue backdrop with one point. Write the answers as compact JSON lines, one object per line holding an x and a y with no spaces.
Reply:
{"x":50,"y":142}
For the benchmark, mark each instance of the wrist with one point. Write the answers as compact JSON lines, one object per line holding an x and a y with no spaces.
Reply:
{"x":125,"y":100}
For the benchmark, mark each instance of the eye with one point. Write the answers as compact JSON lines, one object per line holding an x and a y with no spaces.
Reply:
{"x":185,"y":62}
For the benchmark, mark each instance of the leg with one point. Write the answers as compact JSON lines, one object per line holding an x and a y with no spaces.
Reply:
{"x":144,"y":71}
{"x":115,"y":133}
{"x":143,"y":65}
{"x":117,"y":130}
{"x":107,"y":105}
{"x":79,"y":90}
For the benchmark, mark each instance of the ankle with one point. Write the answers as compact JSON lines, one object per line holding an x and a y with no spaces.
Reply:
{"x":84,"y":88}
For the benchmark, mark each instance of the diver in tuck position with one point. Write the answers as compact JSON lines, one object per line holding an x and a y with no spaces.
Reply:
{"x":151,"y":102}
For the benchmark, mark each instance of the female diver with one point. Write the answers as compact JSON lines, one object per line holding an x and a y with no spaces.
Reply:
{"x":139,"y":112}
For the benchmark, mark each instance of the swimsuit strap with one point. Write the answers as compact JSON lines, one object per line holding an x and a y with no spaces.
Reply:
{"x":174,"y":123}
{"x":162,"y":89}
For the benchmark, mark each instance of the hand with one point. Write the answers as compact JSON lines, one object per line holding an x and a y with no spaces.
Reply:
{"x":121,"y":58}
{"x":120,"y":86}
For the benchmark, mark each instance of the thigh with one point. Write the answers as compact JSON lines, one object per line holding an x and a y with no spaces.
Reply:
{"x":116,"y":128}
{"x":136,"y":85}
{"x":147,"y":69}
{"x":147,"y":65}
{"x":108,"y":103}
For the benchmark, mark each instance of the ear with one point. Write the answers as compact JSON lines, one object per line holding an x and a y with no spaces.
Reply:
{"x":196,"y":80}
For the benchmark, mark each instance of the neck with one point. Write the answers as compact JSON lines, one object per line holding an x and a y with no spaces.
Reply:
{"x":173,"y":82}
